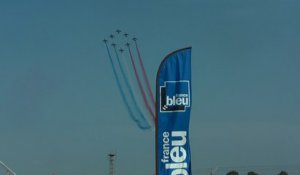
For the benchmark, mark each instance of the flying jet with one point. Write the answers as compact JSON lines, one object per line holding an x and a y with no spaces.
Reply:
{"x":121,"y":50}
{"x":118,"y":31}
{"x":105,"y":40}
{"x":126,"y":34}
{"x":134,"y":39}
{"x":127,"y":44}
{"x":111,"y":36}
{"x":113,"y":44}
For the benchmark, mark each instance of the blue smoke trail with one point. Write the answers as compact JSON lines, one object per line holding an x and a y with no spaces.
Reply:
{"x":141,"y":125}
{"x":140,"y":114}
{"x":125,"y":61}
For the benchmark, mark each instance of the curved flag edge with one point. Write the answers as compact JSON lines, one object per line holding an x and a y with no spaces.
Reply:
{"x":156,"y":101}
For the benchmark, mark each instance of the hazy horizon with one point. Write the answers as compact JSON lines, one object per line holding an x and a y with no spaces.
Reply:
{"x":61,"y":111}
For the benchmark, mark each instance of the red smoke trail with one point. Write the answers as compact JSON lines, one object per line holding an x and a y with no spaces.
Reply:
{"x":142,"y":124}
{"x":140,"y":85}
{"x":144,"y":72}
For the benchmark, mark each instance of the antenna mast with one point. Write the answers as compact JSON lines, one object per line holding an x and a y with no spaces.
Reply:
{"x":111,"y":158}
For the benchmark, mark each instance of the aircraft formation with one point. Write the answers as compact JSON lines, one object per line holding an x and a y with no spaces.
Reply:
{"x":131,"y":78}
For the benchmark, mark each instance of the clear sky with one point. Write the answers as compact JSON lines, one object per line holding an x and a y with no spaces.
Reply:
{"x":61,"y":112}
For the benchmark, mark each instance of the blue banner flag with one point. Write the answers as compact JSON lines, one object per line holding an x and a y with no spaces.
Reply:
{"x":173,"y":106}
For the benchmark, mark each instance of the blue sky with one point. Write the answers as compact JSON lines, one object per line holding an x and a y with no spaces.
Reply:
{"x":61,"y":112}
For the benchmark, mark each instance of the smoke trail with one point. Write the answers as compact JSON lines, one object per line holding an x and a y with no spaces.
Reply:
{"x":140,"y":84}
{"x":140,"y":125}
{"x":129,"y":88}
{"x":144,"y":72}
{"x":130,"y":75}
{"x":144,"y":85}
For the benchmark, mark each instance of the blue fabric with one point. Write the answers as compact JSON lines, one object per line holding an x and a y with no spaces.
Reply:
{"x":173,"y":114}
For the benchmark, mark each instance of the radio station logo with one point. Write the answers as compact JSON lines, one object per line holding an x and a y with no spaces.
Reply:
{"x":175,"y":96}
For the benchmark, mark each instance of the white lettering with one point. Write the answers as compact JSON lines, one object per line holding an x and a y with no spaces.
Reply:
{"x":166,"y":147}
{"x":176,"y":165}
{"x":177,"y":100}
{"x":179,"y":172}
{"x":177,"y":154}
{"x":181,"y":134}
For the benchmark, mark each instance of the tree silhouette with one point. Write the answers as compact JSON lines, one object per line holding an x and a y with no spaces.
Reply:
{"x":283,"y":173}
{"x":232,"y":173}
{"x":252,"y":173}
